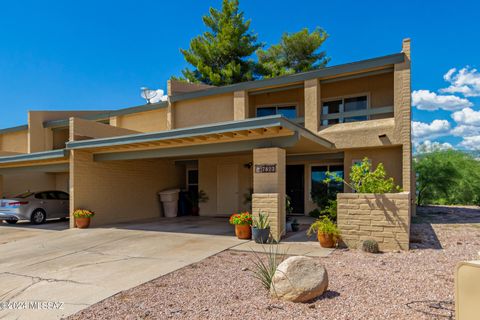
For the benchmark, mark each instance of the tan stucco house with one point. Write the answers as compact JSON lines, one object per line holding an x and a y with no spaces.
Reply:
{"x":276,"y":136}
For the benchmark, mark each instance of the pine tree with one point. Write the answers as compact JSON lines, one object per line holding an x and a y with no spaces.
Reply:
{"x":297,"y":52}
{"x":221,"y":55}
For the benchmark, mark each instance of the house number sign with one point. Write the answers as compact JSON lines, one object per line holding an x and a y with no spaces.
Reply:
{"x":265,"y":168}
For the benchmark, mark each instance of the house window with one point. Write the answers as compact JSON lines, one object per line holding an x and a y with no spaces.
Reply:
{"x":341,"y":108}
{"x":192,"y":181}
{"x":332,"y":107}
{"x":318,"y":175}
{"x":289,"y":112}
{"x":355,"y":104}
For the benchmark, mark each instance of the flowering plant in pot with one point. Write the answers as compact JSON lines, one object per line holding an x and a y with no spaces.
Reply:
{"x":261,"y":228}
{"x":82,"y":218}
{"x":242,"y":222}
{"x":327,"y":232}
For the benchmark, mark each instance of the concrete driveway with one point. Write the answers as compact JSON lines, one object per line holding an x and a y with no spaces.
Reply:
{"x":71,"y":269}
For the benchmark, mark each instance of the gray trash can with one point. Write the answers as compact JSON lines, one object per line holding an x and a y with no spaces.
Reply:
{"x":169,"y":200}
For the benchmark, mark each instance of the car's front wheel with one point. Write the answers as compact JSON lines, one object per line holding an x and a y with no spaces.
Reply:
{"x":38,"y":217}
{"x":11,"y":221}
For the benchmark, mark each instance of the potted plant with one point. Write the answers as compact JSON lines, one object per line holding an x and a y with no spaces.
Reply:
{"x":194,"y":198}
{"x":327,"y":232}
{"x":242,"y":222}
{"x":261,"y":228}
{"x":82,"y":218}
{"x":295,"y":225}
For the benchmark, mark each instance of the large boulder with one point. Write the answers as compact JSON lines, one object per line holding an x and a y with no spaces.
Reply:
{"x":299,"y":279}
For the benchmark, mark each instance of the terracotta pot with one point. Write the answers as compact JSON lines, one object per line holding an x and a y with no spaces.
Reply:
{"x":243,"y":231}
{"x":326,"y":240}
{"x":82,"y":223}
{"x":195,"y":211}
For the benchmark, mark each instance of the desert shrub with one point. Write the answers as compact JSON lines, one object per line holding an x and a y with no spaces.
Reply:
{"x":265,"y":268}
{"x":370,"y":246}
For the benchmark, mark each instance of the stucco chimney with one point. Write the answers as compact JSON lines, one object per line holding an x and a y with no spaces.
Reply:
{"x":406,"y":47}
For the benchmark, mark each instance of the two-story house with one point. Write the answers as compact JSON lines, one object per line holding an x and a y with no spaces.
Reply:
{"x":262,"y":139}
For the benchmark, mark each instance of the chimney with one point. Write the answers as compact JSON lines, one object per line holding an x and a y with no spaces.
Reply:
{"x":406,"y":47}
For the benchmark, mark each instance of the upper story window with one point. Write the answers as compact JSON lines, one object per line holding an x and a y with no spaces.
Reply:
{"x":288,"y":111}
{"x":344,"y":110}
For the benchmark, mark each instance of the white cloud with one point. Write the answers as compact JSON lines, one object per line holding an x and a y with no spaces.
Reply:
{"x":429,"y":146}
{"x":471,"y":143}
{"x":423,"y":131}
{"x":467,"y":116}
{"x":466,"y":81}
{"x":427,"y":100}
{"x":465,"y":131}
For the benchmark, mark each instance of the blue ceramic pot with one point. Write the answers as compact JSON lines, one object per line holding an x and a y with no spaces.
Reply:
{"x":260,"y":235}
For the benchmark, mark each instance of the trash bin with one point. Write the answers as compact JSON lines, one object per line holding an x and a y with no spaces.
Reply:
{"x":169,"y":199}
{"x":183,"y":204}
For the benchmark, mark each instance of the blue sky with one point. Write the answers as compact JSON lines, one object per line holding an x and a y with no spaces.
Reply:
{"x":97,"y":54}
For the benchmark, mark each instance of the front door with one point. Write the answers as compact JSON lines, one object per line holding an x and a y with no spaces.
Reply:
{"x":227,"y":189}
{"x":295,"y":186}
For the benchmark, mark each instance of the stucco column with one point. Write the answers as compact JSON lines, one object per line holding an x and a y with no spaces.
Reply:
{"x":269,"y":187}
{"x":170,"y":115}
{"x":240,"y":105}
{"x":114,"y":121}
{"x":312,"y":104}
{"x":82,"y":186}
{"x":403,"y":117}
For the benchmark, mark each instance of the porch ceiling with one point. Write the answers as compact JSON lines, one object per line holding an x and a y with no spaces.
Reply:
{"x":224,"y":137}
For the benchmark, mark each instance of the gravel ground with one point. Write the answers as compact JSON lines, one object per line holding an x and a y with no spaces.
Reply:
{"x":404,"y":285}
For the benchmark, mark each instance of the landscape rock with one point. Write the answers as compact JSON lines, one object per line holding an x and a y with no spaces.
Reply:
{"x":299,"y":279}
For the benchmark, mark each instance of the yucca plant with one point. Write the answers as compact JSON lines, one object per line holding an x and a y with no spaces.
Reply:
{"x":265,"y":268}
{"x":261,"y":222}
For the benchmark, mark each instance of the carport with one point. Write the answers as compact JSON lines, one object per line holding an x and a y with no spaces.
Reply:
{"x":34,"y":172}
{"x":119,"y":177}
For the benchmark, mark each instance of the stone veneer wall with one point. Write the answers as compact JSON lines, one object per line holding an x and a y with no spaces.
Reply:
{"x":270,"y":203}
{"x":382,"y":217}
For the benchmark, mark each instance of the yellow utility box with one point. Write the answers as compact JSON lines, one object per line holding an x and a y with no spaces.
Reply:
{"x":467,"y":290}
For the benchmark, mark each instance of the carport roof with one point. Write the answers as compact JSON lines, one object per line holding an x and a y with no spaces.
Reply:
{"x":36,"y":156}
{"x":240,"y":135}
{"x":48,"y":161}
{"x":210,"y":129}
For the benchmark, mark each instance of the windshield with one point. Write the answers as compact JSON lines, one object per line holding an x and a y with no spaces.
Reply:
{"x":24,"y":195}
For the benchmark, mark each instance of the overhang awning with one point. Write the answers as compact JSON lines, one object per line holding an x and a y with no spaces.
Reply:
{"x":46,"y":161}
{"x":225,"y":137}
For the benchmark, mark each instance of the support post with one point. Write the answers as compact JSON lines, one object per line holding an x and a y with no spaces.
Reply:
{"x":269,"y":187}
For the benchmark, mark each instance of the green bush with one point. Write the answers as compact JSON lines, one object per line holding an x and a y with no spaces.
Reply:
{"x":364,"y":180}
{"x":449,"y":177}
{"x":329,"y":211}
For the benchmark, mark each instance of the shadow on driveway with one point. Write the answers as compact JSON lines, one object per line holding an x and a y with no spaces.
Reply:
{"x":53,"y":225}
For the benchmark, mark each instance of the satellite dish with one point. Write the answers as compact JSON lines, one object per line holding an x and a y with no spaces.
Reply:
{"x":148,"y":94}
